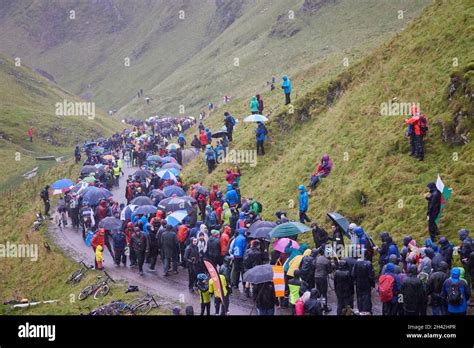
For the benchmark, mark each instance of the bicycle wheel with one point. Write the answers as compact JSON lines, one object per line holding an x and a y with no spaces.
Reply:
{"x":135,"y":303}
{"x":143,"y":308}
{"x":102,"y":291}
{"x":85,"y":293}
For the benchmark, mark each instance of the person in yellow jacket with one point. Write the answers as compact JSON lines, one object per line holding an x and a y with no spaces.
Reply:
{"x":119,"y":163}
{"x":99,"y":258}
{"x":204,"y":296}
{"x":226,"y":214}
{"x":296,"y":262}
{"x":224,"y":309}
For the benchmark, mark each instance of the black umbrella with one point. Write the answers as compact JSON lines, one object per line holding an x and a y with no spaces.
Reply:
{"x":145,"y":210}
{"x":261,"y":229}
{"x":340,"y":221}
{"x":202,"y":190}
{"x":110,"y":224}
{"x":86,"y":170}
{"x":177,"y":203}
{"x":219,"y":134}
{"x":157,"y":194}
{"x":171,"y":165}
{"x":142,"y":200}
{"x":142,"y":174}
{"x":259,"y":274}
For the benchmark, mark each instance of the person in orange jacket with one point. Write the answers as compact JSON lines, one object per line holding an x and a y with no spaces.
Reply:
{"x":416,"y":139}
{"x":203,"y":140}
{"x":218,"y":211}
{"x":212,"y":194}
{"x":225,"y":237}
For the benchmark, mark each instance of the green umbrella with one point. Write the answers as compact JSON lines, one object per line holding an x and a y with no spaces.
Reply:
{"x":289,"y":229}
{"x":89,"y":179}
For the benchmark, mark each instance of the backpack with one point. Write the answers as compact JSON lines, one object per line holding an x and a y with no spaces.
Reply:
{"x":423,"y":122}
{"x":210,"y":155}
{"x":386,"y":283}
{"x":455,"y":296}
{"x":232,"y":120}
{"x":182,"y":235}
{"x":212,"y":219}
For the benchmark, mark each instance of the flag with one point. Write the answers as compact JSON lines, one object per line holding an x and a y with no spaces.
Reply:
{"x":445,"y":195}
{"x":217,"y":280}
{"x":279,"y":279}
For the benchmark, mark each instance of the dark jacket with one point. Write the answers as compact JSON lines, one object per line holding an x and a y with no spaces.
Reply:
{"x":322,"y":267}
{"x":313,"y":305}
{"x":363,"y":275}
{"x":446,"y":252}
{"x":169,"y":244}
{"x":153,"y":245}
{"x":119,"y":240}
{"x":320,"y":237}
{"x":413,"y":294}
{"x":191,"y":254}
{"x":264,"y":295}
{"x":343,"y":284}
{"x":434,"y":201}
{"x":214,"y":247}
{"x":434,"y":287}
{"x":138,"y":242}
{"x":252,"y":258}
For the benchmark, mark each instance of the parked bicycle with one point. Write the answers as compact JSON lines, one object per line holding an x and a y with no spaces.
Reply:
{"x":143,"y":305}
{"x":100,"y":288}
{"x":118,"y":307}
{"x":77,"y":276}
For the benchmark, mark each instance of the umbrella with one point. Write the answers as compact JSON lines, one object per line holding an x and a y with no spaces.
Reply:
{"x":219,"y":134}
{"x":177,"y":203}
{"x":88,"y":169}
{"x":154,"y":158}
{"x":175,"y":171}
{"x":259,"y":274}
{"x":202,"y":190}
{"x":108,"y":157}
{"x":177,"y":217}
{"x":171,"y":165}
{"x":173,"y":146}
{"x":281,"y":244}
{"x":289,"y":229}
{"x":141,"y":200}
{"x":145,"y":210}
{"x":61,"y":186}
{"x":98,"y":149}
{"x":166,"y":174}
{"x":340,"y":221}
{"x":80,"y":187}
{"x":142,"y":174}
{"x":110,"y":223}
{"x":90,"y":144}
{"x":173,"y":190}
{"x":94,"y":194}
{"x":89,"y":179}
{"x":157,"y":194}
{"x":127,"y":212}
{"x":255,"y":118}
{"x":169,"y":159}
{"x":261,"y":229}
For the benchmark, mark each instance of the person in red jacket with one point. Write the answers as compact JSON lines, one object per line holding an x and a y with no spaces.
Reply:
{"x":414,"y":121}
{"x":225,"y":240}
{"x":30,"y":134}
{"x":218,"y":210}
{"x":231,"y":176}
{"x":203,"y":140}
{"x":182,"y":236}
{"x":212,"y":195}
{"x":101,"y":210}
{"x":98,"y":239}
{"x":260,"y":104}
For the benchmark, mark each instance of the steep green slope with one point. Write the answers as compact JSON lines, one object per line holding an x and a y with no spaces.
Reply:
{"x":29,"y":100}
{"x":186,"y":58}
{"x":342,"y":117}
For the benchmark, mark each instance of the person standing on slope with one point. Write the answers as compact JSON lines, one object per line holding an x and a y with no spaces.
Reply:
{"x":260,"y":104}
{"x":260,"y":133}
{"x":286,"y":86}
{"x":434,"y":208}
{"x":303,"y":201}
{"x":254,"y":105}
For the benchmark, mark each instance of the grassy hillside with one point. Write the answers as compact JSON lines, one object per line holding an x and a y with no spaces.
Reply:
{"x":27,"y":99}
{"x":268,"y":37}
{"x":342,"y":117}
{"x":44,"y":279}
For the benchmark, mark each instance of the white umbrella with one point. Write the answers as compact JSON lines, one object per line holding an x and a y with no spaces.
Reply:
{"x":255,"y":118}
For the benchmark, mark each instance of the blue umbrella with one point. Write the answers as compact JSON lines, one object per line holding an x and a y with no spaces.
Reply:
{"x":177,"y":217}
{"x":142,"y":200}
{"x":175,"y":171}
{"x":145,"y":210}
{"x":94,"y":195}
{"x":166,"y":174}
{"x":174,"y":190}
{"x":127,"y":212}
{"x":171,"y":165}
{"x":154,"y":158}
{"x":110,"y":223}
{"x":62,"y":184}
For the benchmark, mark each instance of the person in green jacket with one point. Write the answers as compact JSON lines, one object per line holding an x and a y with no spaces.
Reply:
{"x":226,"y":214}
{"x":254,"y":105}
{"x":223,"y":306}
{"x":204,"y":295}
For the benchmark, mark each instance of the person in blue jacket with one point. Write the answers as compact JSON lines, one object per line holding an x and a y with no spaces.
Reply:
{"x":303,"y":204}
{"x":286,"y":86}
{"x":237,"y":254}
{"x":429,"y":244}
{"x":456,"y":293}
{"x":201,"y":126}
{"x":181,"y":140}
{"x":231,"y":196}
{"x":241,"y":221}
{"x":208,"y":135}
{"x":260,"y":135}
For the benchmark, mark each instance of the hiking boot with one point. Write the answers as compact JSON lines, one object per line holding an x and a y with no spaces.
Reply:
{"x":420,"y":158}
{"x":141,"y":273}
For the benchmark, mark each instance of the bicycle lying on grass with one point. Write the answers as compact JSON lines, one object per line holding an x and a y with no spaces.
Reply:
{"x":100,"y":288}
{"x":143,"y":305}
{"x":77,"y":276}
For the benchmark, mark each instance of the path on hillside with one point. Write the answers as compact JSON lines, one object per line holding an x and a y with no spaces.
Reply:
{"x":171,"y":289}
